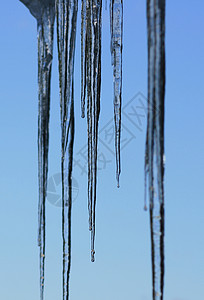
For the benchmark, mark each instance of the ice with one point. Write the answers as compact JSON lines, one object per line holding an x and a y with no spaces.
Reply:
{"x":66,"y":13}
{"x":91,"y":87}
{"x":116,"y":28}
{"x":154,"y":162}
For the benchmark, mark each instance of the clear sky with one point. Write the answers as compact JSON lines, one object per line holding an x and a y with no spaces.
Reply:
{"x":123,"y":268}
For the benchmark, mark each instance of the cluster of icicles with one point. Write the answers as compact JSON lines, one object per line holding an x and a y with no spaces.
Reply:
{"x":65,"y":12}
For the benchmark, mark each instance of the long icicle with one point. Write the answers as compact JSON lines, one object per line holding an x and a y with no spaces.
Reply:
{"x":91,"y":85}
{"x":83,"y":56}
{"x":154,"y":164}
{"x":96,"y":95}
{"x":116,"y":28}
{"x":45,"y":53}
{"x":45,"y":15}
{"x":66,"y":12}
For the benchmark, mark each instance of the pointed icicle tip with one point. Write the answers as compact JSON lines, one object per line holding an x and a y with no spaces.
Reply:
{"x":118,"y":178}
{"x":92,"y":255}
{"x":118,"y":182}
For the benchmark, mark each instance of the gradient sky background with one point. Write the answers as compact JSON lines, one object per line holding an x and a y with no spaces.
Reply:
{"x":123,"y":267}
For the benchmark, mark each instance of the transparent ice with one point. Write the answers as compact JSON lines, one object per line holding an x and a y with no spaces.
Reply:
{"x":66,"y":14}
{"x":91,"y":89}
{"x":154,"y":162}
{"x":116,"y":29}
{"x":44,"y":12}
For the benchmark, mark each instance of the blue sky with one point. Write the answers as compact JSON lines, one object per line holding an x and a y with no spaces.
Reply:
{"x":123,"y":268}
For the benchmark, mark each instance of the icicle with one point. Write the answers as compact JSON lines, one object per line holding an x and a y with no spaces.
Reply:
{"x":116,"y":28}
{"x":91,"y":84}
{"x":45,"y":52}
{"x":154,"y":164}
{"x":45,"y":15}
{"x":66,"y":12}
{"x":83,"y":57}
